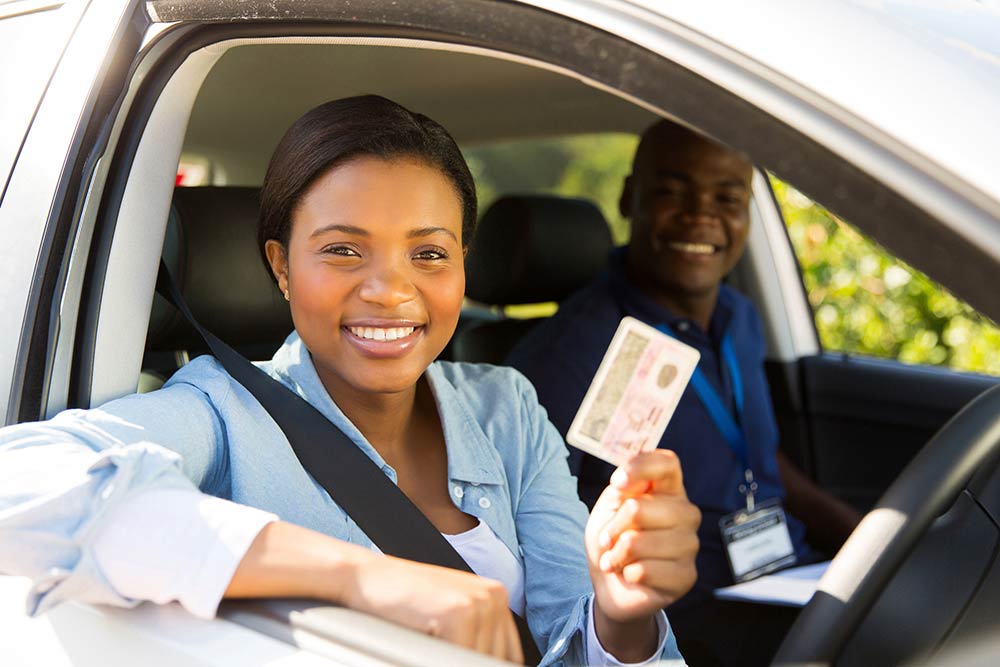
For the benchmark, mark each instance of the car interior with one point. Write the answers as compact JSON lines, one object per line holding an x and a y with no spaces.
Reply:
{"x":852,"y":423}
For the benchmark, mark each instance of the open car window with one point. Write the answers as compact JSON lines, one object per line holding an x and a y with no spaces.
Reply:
{"x":867,"y":302}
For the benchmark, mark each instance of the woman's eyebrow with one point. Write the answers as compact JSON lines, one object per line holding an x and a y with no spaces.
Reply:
{"x":429,"y":231}
{"x":346,"y":229}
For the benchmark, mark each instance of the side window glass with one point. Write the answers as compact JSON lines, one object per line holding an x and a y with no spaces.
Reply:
{"x":867,"y":302}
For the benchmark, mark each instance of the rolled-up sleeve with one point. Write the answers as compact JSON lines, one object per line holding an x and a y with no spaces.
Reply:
{"x":61,"y":479}
{"x":190,"y":557}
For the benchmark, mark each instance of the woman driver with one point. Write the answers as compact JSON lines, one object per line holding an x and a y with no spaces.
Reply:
{"x":366,"y":214}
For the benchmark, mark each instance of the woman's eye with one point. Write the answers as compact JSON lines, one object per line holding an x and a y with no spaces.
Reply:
{"x":340,"y":250}
{"x":431,"y":254}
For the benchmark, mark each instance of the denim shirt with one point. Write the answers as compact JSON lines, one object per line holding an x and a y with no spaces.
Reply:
{"x":506,"y":466}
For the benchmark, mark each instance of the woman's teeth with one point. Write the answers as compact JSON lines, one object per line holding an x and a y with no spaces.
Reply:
{"x":379,"y":333}
{"x":696,"y":248}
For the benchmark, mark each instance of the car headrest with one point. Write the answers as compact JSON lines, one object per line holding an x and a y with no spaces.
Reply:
{"x":211,"y":251}
{"x":536,"y":248}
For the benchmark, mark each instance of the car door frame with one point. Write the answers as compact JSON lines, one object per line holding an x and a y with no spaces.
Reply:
{"x":55,"y":172}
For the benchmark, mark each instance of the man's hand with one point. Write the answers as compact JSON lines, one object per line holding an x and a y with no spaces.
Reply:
{"x":641,"y":544}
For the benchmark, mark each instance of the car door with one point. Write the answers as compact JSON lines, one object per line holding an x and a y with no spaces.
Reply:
{"x":850,"y":410}
{"x":88,"y":48}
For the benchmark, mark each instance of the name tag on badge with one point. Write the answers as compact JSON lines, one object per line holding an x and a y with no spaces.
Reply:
{"x":757,"y":542}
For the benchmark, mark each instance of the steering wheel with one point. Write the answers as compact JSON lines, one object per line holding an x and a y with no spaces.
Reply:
{"x":873,"y":554}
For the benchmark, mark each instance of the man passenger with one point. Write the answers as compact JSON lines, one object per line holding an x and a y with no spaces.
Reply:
{"x":687,"y":200}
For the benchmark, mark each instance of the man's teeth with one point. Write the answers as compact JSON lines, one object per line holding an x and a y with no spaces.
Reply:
{"x":378,"y":333}
{"x":696,"y":248}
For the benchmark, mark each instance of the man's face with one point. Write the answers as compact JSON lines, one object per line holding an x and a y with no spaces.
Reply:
{"x":688,"y":200}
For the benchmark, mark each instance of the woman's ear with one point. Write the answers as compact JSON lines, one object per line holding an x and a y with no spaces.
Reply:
{"x":277,"y":257}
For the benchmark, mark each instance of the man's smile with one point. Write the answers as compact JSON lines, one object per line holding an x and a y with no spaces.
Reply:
{"x":693,"y":248}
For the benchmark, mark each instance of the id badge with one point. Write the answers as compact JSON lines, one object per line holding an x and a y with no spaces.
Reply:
{"x":757,"y":541}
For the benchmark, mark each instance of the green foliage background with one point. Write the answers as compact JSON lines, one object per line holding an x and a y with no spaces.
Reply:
{"x":865,"y":301}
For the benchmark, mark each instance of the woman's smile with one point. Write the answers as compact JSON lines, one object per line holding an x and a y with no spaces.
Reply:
{"x":383,"y":339}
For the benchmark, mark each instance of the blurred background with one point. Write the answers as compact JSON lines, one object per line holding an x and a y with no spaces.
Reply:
{"x":865,"y":301}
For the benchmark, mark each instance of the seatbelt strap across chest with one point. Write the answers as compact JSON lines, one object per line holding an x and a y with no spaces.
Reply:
{"x":385,"y":514}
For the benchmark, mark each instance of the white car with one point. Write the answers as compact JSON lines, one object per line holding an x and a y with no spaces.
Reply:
{"x":883,"y":111}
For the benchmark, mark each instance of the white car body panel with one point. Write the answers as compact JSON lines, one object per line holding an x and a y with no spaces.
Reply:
{"x":940,"y":55}
{"x":36,"y":175}
{"x":163,"y":636}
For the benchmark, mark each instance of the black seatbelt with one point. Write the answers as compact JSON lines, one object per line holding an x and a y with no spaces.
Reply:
{"x":353,"y":480}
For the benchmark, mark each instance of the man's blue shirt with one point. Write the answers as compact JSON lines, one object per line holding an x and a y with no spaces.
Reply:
{"x":561,"y":355}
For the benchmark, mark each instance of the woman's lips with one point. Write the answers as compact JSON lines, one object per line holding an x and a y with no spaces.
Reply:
{"x":383,"y":341}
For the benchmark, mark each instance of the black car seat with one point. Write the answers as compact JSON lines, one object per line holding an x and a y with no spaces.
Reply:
{"x":528,"y":249}
{"x":211,"y":251}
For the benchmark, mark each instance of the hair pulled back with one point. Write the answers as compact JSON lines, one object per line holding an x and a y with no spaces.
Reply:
{"x":341,"y":130}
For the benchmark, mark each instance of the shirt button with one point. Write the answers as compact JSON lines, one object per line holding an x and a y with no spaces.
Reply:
{"x":484,"y":503}
{"x":683,"y":326}
{"x":459,"y":492}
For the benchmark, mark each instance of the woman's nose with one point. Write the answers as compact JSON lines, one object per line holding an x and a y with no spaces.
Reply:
{"x":387,"y":285}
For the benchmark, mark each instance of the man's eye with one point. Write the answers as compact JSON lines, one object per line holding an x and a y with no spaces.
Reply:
{"x":729,"y":200}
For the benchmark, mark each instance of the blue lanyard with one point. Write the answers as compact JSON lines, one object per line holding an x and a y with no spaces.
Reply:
{"x":717,"y":410}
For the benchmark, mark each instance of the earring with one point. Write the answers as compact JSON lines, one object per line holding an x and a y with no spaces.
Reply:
{"x":287,"y":297}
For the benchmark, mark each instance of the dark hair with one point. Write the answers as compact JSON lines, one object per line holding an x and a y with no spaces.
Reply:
{"x":341,"y":130}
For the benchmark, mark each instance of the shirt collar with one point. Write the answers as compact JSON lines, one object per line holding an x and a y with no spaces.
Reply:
{"x":638,"y":304}
{"x":470,"y":454}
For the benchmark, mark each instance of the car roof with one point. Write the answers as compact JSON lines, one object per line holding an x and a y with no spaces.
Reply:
{"x":924,"y":72}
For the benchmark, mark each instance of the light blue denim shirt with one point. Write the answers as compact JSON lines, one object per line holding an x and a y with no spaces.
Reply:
{"x":506,"y":466}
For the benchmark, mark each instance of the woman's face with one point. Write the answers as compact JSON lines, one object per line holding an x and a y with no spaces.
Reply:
{"x":374,"y":271}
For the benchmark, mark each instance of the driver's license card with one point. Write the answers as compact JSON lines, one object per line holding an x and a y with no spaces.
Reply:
{"x":634,"y":393}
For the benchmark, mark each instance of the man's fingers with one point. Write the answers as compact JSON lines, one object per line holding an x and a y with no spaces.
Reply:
{"x":634,"y":546}
{"x":656,"y":471}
